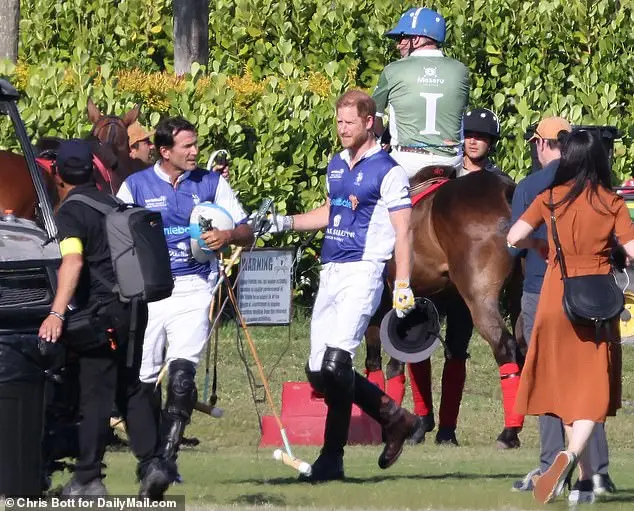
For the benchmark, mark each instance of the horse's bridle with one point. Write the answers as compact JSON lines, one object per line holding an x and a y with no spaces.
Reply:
{"x":107,"y":122}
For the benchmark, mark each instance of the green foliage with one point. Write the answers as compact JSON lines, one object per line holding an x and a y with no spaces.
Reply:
{"x":530,"y":59}
{"x":277,"y":67}
{"x":123,"y":33}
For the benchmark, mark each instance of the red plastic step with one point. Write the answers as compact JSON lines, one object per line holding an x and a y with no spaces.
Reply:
{"x":304,"y":416}
{"x":309,"y":430}
{"x":299,"y":400}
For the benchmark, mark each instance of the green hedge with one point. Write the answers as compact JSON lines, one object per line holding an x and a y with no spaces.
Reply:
{"x":276,"y":69}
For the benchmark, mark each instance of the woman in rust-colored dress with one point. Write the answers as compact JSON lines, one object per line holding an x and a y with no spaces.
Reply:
{"x":568,"y":373}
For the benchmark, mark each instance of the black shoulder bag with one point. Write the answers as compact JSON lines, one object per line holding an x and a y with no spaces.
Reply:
{"x":589,"y":300}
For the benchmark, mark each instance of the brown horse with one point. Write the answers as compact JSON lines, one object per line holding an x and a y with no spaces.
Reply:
{"x":113,"y":131}
{"x":459,"y":247}
{"x":110,"y":135}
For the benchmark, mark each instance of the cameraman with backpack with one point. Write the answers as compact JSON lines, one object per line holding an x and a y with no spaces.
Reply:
{"x":90,"y":319}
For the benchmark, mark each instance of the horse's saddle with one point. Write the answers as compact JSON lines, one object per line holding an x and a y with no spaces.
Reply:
{"x":428,"y":179}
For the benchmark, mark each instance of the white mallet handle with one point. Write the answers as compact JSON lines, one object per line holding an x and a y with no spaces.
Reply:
{"x":301,"y":466}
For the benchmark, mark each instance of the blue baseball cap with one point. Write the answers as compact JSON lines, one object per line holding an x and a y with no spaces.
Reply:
{"x":74,"y":155}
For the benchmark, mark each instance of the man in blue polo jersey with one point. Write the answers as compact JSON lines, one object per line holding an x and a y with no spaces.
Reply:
{"x":173,"y":186}
{"x":366,"y":217}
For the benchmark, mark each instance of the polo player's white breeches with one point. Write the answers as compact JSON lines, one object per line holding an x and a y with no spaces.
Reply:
{"x":181,"y":321}
{"x":413,"y":162}
{"x":348,"y":296}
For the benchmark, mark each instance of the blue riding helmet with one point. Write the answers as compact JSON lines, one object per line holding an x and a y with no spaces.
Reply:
{"x":420,"y":21}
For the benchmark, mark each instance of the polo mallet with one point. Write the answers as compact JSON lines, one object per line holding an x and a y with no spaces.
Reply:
{"x":258,"y":226}
{"x":205,"y":408}
{"x":218,"y":157}
{"x":258,"y":223}
{"x":118,"y":423}
{"x":210,"y":407}
{"x":212,"y":401}
{"x":212,"y":306}
{"x":285,"y":457}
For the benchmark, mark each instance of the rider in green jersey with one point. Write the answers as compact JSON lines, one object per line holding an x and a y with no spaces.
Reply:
{"x":424,"y":95}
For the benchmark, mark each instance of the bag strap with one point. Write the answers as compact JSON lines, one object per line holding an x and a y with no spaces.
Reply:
{"x":103,"y":208}
{"x":558,"y":251}
{"x":132,"y":333}
{"x":114,"y":287}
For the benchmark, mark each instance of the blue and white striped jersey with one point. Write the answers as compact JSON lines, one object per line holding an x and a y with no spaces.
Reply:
{"x":151,"y":188}
{"x":361,"y":198}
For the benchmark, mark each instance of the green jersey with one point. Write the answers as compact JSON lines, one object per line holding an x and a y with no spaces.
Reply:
{"x":425,"y":96}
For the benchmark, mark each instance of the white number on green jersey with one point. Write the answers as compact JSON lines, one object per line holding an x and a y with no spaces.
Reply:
{"x":430,"y":113}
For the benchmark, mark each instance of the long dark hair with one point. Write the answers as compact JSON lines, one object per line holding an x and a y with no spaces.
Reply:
{"x":584,"y":161}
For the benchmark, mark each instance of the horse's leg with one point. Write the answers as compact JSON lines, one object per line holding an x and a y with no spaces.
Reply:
{"x":395,"y":380}
{"x":458,"y":335}
{"x":373,"y":362}
{"x":513,"y":295}
{"x":395,"y":371}
{"x":420,"y":378}
{"x":480,"y":283}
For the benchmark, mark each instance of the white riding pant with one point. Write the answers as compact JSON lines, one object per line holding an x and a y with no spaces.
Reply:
{"x":413,"y":162}
{"x":348,"y":295}
{"x":181,"y":321}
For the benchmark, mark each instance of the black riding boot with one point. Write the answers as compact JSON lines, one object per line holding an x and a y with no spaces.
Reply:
{"x":171,"y":437}
{"x":398,"y":424}
{"x":337,"y":376}
{"x":181,"y":398}
{"x":155,"y":478}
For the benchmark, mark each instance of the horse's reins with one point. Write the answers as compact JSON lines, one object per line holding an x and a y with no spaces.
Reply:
{"x":104,"y":171}
{"x":421,"y":187}
{"x":46,"y":162}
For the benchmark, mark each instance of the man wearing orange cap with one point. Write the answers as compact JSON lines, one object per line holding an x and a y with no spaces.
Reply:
{"x":141,"y":146}
{"x":547,"y":150}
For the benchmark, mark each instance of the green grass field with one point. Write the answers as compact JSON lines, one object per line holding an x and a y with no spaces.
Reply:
{"x":228,"y":469}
